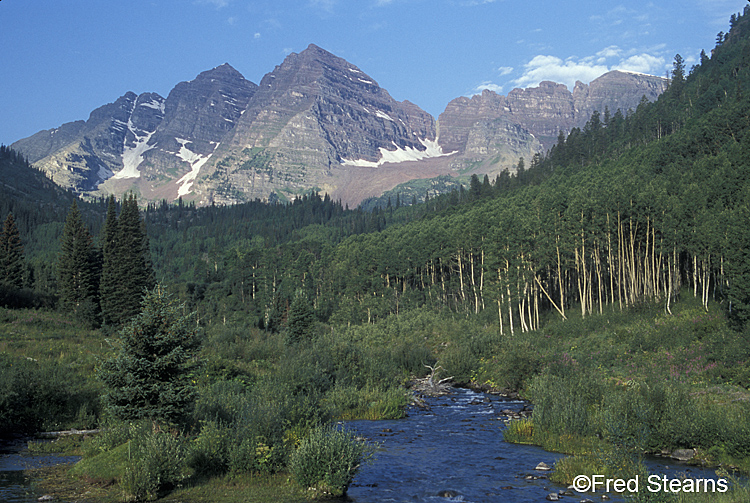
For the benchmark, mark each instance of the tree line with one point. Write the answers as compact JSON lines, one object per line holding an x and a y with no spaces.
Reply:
{"x":105,"y":283}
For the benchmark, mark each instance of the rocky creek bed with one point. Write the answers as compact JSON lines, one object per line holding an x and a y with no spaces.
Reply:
{"x":15,"y":461}
{"x":452,"y":449}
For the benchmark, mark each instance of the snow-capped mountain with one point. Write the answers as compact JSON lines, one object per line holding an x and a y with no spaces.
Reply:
{"x":316,"y":122}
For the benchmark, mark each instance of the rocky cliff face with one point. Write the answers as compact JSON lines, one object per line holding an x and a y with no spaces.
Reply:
{"x":311,"y":116}
{"x":143,"y":141}
{"x":316,"y":122}
{"x":542,"y":111}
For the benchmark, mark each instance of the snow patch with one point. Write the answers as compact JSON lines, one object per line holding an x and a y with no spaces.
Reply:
{"x":132,"y":157}
{"x":366,"y":81}
{"x":432,"y":149}
{"x":196,"y":161}
{"x":383,"y":115}
{"x":155,"y":104}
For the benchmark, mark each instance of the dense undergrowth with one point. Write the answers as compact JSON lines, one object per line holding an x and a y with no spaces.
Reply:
{"x":614,"y":388}
{"x":608,"y":388}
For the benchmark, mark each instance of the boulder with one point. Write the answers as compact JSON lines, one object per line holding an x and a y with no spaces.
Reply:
{"x":683,"y":454}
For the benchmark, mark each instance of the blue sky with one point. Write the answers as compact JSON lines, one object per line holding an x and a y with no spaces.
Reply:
{"x":62,"y":59}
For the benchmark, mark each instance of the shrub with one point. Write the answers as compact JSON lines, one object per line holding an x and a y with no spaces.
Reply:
{"x":566,"y":405}
{"x":328,"y":459}
{"x":157,"y":460}
{"x":208,"y":454}
{"x":520,"y":431}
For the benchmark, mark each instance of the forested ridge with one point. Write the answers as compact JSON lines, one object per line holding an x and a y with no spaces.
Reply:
{"x":637,"y":206}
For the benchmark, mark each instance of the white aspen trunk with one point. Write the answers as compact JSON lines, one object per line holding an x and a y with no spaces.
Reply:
{"x":669,"y":286}
{"x":598,"y":264}
{"x":536,"y":308}
{"x":481,"y":278}
{"x":500,"y":313}
{"x":550,"y":298}
{"x":610,"y":271}
{"x":473,"y":284}
{"x":695,"y":275}
{"x":581,"y":296}
{"x":461,"y":276}
{"x":633,"y":269}
{"x":561,"y":309}
{"x":510,"y":300}
{"x":620,"y":257}
{"x":510,"y":311}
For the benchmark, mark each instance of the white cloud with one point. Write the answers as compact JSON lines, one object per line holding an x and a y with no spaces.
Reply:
{"x":546,"y":67}
{"x":643,"y":63}
{"x":505,"y":70}
{"x":555,"y":69}
{"x":488,"y":85}
{"x":256,"y":36}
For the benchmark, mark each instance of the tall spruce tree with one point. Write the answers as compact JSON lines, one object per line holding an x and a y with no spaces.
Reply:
{"x":150,"y":376}
{"x":301,"y":319}
{"x":127,"y":271}
{"x":11,"y":254}
{"x":108,"y":284}
{"x":78,"y":268}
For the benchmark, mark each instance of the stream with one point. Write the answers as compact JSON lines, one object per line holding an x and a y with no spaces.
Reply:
{"x":451,"y":451}
{"x":15,"y":485}
{"x":454,"y":451}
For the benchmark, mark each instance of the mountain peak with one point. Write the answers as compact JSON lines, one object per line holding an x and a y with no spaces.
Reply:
{"x":224,"y":71}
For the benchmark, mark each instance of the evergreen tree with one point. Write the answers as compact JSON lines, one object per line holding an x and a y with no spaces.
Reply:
{"x":127,"y":263}
{"x":150,"y":376}
{"x":475,"y":187}
{"x":108,"y":242}
{"x":301,"y":319}
{"x":11,"y":254}
{"x":77,"y":268}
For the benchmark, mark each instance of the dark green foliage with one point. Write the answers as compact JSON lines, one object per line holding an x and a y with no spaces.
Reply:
{"x":156,"y":462}
{"x":150,"y":376}
{"x":127,"y":271}
{"x":251,"y":430}
{"x":328,"y":459}
{"x":109,"y":285}
{"x":78,"y":269}
{"x":12,"y":262}
{"x":301,"y":320}
{"x":36,"y":395}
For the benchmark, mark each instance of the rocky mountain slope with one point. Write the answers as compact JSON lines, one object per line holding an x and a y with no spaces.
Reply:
{"x":490,"y":130}
{"x":316,"y":122}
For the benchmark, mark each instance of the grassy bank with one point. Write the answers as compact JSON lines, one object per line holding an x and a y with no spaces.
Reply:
{"x":606,"y":388}
{"x":614,"y":387}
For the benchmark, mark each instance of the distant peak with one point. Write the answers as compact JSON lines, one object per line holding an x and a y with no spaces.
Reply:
{"x":315,"y":52}
{"x":225,"y":70}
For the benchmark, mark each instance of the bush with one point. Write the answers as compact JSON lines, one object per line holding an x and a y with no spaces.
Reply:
{"x":208,"y":454}
{"x":328,"y":459}
{"x":519,"y":431}
{"x":566,"y":405}
{"x":157,"y":460}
